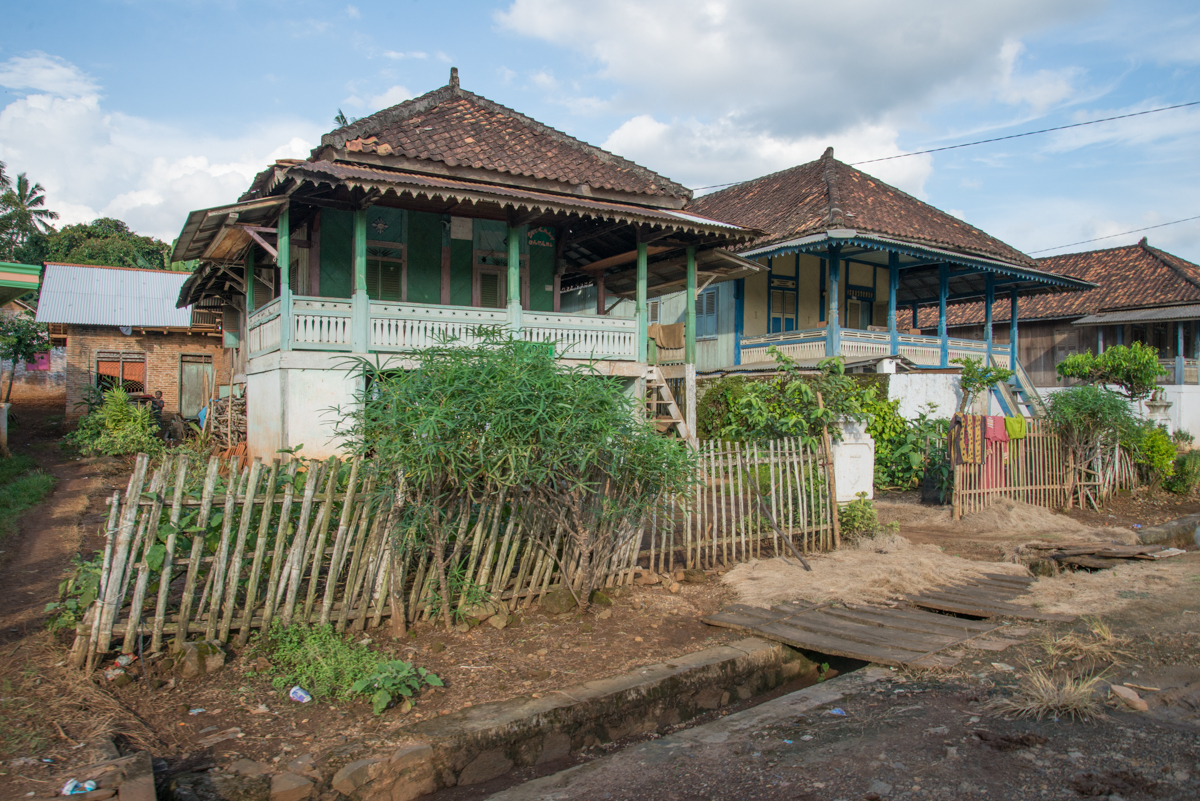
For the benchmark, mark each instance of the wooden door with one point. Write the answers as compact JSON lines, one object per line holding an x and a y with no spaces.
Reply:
{"x":195,"y":380}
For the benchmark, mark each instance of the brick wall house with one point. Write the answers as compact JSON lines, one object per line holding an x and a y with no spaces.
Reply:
{"x":143,"y":361}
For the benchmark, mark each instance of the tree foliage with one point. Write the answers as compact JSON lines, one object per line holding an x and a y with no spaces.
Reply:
{"x":23,"y":213}
{"x":1133,"y":368}
{"x":567,"y":448}
{"x":104,"y":241}
{"x":977,"y":378}
{"x":21,"y":340}
{"x":117,"y":428}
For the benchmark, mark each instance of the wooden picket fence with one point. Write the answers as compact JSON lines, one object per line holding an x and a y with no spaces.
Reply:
{"x":1039,"y":470}
{"x":248,"y":544}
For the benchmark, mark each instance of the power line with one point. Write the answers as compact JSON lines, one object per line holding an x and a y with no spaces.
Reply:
{"x":1123,"y":233}
{"x":997,"y":139}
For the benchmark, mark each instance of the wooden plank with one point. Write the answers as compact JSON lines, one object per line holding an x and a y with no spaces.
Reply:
{"x":965,"y":609}
{"x":971,"y":592}
{"x":932,"y":617}
{"x":1026,"y":580}
{"x":904,"y":623}
{"x":827,"y":644}
{"x":869,"y":634}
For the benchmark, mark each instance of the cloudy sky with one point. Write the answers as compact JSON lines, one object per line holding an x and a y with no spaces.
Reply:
{"x":146,"y":109}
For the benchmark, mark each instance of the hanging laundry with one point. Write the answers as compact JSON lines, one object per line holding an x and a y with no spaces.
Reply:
{"x":996,"y":430}
{"x":1015,"y":427}
{"x":966,"y":438}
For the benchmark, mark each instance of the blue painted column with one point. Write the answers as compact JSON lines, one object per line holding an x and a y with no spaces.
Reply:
{"x":739,"y":317}
{"x":943,"y":292}
{"x":833,"y":330}
{"x":893,"y":285}
{"x":1196,"y":346}
{"x":1179,"y":352}
{"x":915,"y":313}
{"x":283,"y":258}
{"x":1013,"y":343}
{"x":689,"y":351}
{"x":640,"y":307}
{"x":989,"y":300}
{"x":514,"y":280}
{"x":360,"y":302}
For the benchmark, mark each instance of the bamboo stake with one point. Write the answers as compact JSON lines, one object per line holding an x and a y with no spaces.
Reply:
{"x":222,"y":561}
{"x":239,"y":548}
{"x":148,"y":540}
{"x":108,"y":611}
{"x":283,"y":530}
{"x":260,"y":552}
{"x":296,"y":556}
{"x":85,"y":652}
{"x":340,"y":543}
{"x":198,"y":538}
{"x":324,"y":519}
{"x":164,"y":579}
{"x":365,"y":539}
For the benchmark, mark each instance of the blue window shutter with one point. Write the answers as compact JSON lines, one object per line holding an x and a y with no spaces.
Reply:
{"x":706,"y":314}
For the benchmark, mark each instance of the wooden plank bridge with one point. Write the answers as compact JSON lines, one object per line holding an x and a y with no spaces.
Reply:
{"x":902,"y":636}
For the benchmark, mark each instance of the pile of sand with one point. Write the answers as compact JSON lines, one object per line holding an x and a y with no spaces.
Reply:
{"x":1005,"y":519}
{"x":879,"y":569}
{"x":1104,"y":592}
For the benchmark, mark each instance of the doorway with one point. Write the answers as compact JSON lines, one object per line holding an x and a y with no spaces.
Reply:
{"x":195,"y":383}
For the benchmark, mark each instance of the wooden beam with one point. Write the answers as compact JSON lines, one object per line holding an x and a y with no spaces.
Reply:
{"x":226,"y":226}
{"x":620,"y":258}
{"x":264,"y":244}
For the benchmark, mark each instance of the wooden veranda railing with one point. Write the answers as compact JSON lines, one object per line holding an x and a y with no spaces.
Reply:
{"x":207,"y":551}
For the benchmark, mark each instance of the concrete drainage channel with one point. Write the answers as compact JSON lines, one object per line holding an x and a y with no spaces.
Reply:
{"x":483,"y":748}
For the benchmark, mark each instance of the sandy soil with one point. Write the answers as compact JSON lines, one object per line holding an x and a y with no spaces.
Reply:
{"x":879,"y":569}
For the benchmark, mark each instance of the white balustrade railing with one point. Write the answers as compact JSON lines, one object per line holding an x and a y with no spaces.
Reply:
{"x":858,"y":344}
{"x":579,"y":336}
{"x":320,"y":324}
{"x":407,"y":326}
{"x":263,"y":329}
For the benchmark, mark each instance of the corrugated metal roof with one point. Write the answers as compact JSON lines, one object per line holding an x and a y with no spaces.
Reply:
{"x":91,"y":295}
{"x":1160,"y":314}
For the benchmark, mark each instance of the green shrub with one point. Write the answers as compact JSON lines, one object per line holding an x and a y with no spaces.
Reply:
{"x":1181,"y":437}
{"x":394,"y":680}
{"x":117,"y":428}
{"x":1134,"y":368}
{"x":316,"y":658}
{"x":75,"y":595}
{"x":1152,"y":450}
{"x":902,"y":447}
{"x":1186,"y":474}
{"x":858,"y":519}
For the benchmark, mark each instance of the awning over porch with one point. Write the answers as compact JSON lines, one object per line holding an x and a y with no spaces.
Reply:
{"x":1166,"y":314}
{"x":17,"y":280}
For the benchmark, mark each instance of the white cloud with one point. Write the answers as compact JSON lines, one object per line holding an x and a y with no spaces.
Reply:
{"x":544,"y":79}
{"x":40,"y":72}
{"x":397,"y":55}
{"x":95,"y":161}
{"x":787,"y":66}
{"x":390,"y":97}
{"x":698,"y":153}
{"x":353,"y":13}
{"x":1039,"y":90}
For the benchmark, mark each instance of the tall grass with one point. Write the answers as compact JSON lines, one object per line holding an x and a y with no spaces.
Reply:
{"x":21,"y":487}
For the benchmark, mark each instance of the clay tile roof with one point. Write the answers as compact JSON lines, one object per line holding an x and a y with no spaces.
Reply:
{"x":454,"y":126}
{"x":1130,"y":277}
{"x":827,"y":194}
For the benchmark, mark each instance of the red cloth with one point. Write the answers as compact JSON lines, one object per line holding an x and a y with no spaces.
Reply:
{"x":995,"y":430}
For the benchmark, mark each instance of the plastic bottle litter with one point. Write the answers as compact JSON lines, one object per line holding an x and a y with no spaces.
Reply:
{"x":75,"y":787}
{"x":196,"y":711}
{"x":125,"y":660}
{"x":838,"y":711}
{"x":298,"y":693}
{"x":114,"y":673}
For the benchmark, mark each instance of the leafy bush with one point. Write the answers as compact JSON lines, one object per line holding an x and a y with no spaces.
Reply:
{"x":1151,"y":448}
{"x":1134,"y":368}
{"x":1181,"y":437}
{"x":976,"y":378}
{"x":1186,"y":474}
{"x":902,"y":447}
{"x":858,"y":519}
{"x":317,"y":658}
{"x":117,"y":428}
{"x":75,"y":595}
{"x":394,"y":680}
{"x":785,"y":405}
{"x":1086,"y":414}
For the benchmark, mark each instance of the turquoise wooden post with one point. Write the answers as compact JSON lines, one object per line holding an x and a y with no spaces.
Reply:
{"x":283,"y":258}
{"x":640,"y":307}
{"x":514,"y":278}
{"x":989,"y":300}
{"x":1012,"y":335}
{"x":1179,"y":352}
{"x":690,"y":324}
{"x":249,"y":283}
{"x":943,"y":332}
{"x":833,"y":329}
{"x":360,"y":303}
{"x":914,"y":317}
{"x":893,"y":285}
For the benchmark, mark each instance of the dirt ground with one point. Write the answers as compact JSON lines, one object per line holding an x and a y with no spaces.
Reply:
{"x":50,"y":714}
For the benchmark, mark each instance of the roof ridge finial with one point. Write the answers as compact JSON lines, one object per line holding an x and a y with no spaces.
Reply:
{"x":1144,"y":242}
{"x":828,"y":153}
{"x":834,"y":217}
{"x":454,"y":77}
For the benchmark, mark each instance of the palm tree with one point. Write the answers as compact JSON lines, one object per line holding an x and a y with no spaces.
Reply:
{"x":6,"y":182}
{"x":25,"y":211}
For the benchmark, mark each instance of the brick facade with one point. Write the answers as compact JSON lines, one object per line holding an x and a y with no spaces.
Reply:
{"x":162,"y":353}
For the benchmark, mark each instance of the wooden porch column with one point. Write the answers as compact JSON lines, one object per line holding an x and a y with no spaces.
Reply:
{"x":833,"y":329}
{"x":914,"y":316}
{"x":1012,"y":334}
{"x":514,"y":278}
{"x":1099,"y":339}
{"x":641,"y":301}
{"x":601,"y":300}
{"x":689,"y":351}
{"x":893,"y":285}
{"x":360,"y":302}
{"x":989,"y":300}
{"x":1179,"y":352}
{"x":943,"y":291}
{"x":283,"y":258}
{"x":249,"y":284}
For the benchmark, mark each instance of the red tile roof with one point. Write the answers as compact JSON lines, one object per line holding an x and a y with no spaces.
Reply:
{"x":828,"y":194}
{"x":1132,"y":277}
{"x":458,"y":128}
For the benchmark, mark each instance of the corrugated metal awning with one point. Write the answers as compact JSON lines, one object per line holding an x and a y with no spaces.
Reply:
{"x":1162,"y":314}
{"x":80,"y":294}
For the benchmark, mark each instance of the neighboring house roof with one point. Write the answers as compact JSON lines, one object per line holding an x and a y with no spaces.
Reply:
{"x":82,"y":294}
{"x":461,"y":129}
{"x":1131,"y":277}
{"x":827,"y":194}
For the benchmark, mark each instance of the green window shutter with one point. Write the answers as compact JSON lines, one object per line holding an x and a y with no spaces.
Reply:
{"x":489,"y":290}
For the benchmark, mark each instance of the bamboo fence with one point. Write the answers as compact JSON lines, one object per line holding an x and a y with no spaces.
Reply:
{"x":1040,"y":470}
{"x":209,"y":550}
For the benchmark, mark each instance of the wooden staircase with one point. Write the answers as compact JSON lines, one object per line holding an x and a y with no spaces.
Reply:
{"x":661,"y":406}
{"x":1020,"y":397}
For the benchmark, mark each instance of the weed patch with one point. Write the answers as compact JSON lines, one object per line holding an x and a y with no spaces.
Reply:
{"x":1042,"y":694}
{"x":21,"y":486}
{"x":316,"y":658}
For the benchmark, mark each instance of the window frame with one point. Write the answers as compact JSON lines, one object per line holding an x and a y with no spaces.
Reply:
{"x":702,"y":316}
{"x":121,"y":357}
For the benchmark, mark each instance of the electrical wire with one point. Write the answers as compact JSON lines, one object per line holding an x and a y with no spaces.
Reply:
{"x":996,"y":139}
{"x":1113,"y":236}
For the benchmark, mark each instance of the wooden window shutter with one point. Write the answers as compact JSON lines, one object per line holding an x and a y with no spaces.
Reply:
{"x":489,"y":290}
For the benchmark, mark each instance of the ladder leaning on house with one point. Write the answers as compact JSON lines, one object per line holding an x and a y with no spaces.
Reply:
{"x":661,"y":406}
{"x":1021,"y":393}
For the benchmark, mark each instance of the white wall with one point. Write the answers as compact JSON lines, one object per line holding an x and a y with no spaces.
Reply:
{"x":916,"y":391}
{"x":292,"y":400}
{"x":1185,"y":405}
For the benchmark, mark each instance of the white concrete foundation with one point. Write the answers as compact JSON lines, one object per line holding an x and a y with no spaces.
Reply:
{"x":293,"y":399}
{"x":854,"y":462}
